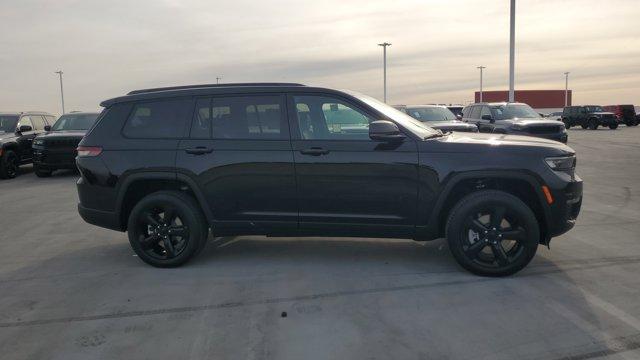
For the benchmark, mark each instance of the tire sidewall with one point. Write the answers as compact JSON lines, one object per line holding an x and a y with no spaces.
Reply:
{"x":189,"y":213}
{"x":472,"y":203}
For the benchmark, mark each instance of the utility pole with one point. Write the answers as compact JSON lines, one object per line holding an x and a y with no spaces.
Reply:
{"x":566,"y":88}
{"x":481,"y":68}
{"x":384,"y":64}
{"x":59,"y":72}
{"x":512,"y":47}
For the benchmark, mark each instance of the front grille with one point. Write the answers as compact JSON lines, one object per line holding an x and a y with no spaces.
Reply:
{"x":61,"y":143}
{"x":551,"y":129}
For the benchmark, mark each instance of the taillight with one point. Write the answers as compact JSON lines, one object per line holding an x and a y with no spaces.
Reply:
{"x":89,"y":150}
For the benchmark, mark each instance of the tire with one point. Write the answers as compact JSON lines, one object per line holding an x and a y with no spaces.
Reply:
{"x":613,"y":126}
{"x":483,"y":251}
{"x":42,"y":173}
{"x":155,"y":240}
{"x":584,"y":126}
{"x":593,"y":124}
{"x":8,"y":165}
{"x":567,"y":124}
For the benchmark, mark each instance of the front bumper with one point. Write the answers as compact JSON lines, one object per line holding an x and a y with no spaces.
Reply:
{"x":565,"y":208}
{"x":50,"y":159}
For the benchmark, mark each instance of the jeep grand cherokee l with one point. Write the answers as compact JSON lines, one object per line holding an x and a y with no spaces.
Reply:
{"x":56,"y":149}
{"x":169,"y":165}
{"x":513,"y":118}
{"x":17,"y":131}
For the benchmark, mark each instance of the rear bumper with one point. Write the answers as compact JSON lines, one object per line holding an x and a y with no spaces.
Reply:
{"x":105,"y":219}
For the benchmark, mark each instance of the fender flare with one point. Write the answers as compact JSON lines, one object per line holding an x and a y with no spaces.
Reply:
{"x":456,"y":178}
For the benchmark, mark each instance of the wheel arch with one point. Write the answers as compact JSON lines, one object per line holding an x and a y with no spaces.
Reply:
{"x":138,"y":185}
{"x":527,"y":187}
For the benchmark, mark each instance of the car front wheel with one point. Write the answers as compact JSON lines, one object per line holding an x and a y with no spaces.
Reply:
{"x":492,"y":233}
{"x":167,"y":228}
{"x":8,"y":164}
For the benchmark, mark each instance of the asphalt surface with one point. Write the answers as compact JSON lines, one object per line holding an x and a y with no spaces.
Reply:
{"x":69,"y":290}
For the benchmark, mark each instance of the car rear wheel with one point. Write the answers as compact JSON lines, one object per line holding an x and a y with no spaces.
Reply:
{"x":593,"y":124}
{"x":613,"y":126}
{"x":492,"y":233}
{"x":167,"y":229}
{"x":8,"y":164}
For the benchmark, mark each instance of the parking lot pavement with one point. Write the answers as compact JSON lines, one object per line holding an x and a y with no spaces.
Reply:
{"x":69,"y":290}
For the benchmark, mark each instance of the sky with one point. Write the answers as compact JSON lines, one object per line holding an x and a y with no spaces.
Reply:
{"x":107,"y":48}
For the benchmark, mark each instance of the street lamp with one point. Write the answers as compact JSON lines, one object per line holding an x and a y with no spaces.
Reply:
{"x":59,"y":72}
{"x":481,"y":68}
{"x":384,"y":61}
{"x":566,"y":88}
{"x":512,"y":46}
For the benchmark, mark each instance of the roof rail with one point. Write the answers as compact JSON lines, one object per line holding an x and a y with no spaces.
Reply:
{"x":185,"y":87}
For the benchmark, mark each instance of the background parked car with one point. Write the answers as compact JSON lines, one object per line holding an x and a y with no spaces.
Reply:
{"x":588,"y":116}
{"x":513,"y":118}
{"x":437,"y":117}
{"x":555,"y":116}
{"x":457,"y":110}
{"x":17,"y":131}
{"x":625,"y":113}
{"x":56,"y":149}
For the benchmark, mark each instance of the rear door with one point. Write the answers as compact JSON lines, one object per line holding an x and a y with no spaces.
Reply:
{"x":238,"y":152}
{"x":347,"y":183}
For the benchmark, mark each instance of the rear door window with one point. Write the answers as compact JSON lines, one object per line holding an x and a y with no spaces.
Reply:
{"x":240,"y":117}
{"x":37,"y":121}
{"x":162,"y":119}
{"x":474,"y":113}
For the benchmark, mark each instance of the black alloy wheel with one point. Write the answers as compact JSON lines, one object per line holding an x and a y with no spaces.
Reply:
{"x":167,"y":228}
{"x":492,"y":233}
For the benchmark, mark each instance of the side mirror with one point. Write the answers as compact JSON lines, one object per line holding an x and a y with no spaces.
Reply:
{"x":25,"y":128}
{"x":47,"y":128}
{"x":459,"y":116}
{"x":385,"y":130}
{"x":488,"y":117}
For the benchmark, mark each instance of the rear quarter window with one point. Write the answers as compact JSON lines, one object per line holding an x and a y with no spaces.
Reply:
{"x":162,"y":119}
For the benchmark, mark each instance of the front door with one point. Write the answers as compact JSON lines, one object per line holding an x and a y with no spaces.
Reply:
{"x":239,"y":154}
{"x":25,"y":140}
{"x":348,"y":184}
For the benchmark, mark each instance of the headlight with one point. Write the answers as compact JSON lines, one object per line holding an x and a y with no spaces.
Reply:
{"x":561,"y":163}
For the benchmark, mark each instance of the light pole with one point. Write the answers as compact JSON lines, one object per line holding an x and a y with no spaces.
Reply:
{"x":218,"y":78}
{"x":566,"y":88}
{"x":384,"y":64}
{"x":59,"y":72}
{"x":481,"y":68}
{"x":512,"y":46}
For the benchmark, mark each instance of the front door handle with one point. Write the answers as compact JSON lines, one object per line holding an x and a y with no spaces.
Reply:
{"x":314,"y":151}
{"x":199,"y":150}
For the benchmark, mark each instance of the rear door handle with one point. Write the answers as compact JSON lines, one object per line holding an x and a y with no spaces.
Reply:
{"x":314,"y":151}
{"x":199,"y":150}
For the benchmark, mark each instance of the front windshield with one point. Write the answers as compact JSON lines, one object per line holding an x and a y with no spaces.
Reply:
{"x":434,"y":113}
{"x":74,"y":122}
{"x":8,"y":123}
{"x":594,"y":109}
{"x":505,"y":112}
{"x":398,"y":116}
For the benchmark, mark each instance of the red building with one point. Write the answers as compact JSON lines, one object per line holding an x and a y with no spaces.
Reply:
{"x":538,"y":99}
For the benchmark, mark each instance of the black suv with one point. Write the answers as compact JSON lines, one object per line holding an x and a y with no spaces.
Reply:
{"x":56,"y":149}
{"x":17,"y":131}
{"x":513,"y":118}
{"x":169,"y":164}
{"x":588,"y":116}
{"x":437,"y":117}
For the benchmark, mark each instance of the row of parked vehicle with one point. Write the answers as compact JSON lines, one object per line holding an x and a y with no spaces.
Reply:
{"x":520,"y":119}
{"x":38,"y":138}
